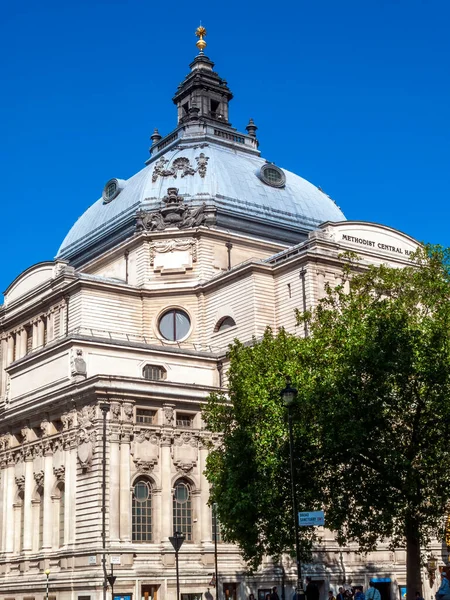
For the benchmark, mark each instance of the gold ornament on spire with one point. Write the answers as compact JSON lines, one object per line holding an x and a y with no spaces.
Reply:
{"x":200,"y":32}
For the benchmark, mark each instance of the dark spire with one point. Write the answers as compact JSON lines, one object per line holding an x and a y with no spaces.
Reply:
{"x":251,"y":129}
{"x":204,"y":89}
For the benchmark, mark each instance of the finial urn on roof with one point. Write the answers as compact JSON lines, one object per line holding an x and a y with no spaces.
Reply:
{"x":200,"y":32}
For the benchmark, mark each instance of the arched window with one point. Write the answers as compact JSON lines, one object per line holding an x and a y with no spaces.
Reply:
{"x":141,"y":511}
{"x":224,"y":323}
{"x":182,"y":509}
{"x":61,"y":514}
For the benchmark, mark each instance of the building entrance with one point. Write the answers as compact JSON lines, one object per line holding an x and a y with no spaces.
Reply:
{"x":149,"y":592}
{"x":384,"y":587}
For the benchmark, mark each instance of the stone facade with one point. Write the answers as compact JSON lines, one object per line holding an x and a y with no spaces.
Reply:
{"x":77,"y":339}
{"x":207,"y":244}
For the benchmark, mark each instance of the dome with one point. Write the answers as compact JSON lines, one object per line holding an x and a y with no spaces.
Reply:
{"x":230,"y":182}
{"x":208,"y":163}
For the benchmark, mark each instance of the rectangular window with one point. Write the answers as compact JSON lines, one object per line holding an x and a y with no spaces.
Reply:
{"x":194,"y":596}
{"x":185,"y":420}
{"x":144,"y":415}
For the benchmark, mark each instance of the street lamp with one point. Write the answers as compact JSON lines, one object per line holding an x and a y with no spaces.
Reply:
{"x":104,"y":407}
{"x":47,"y":573}
{"x":216,"y":574}
{"x":432,"y":564}
{"x":177,"y":541}
{"x":112,"y":579}
{"x":289,"y":396}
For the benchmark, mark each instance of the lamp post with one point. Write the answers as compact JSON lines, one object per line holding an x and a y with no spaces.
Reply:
{"x":289,"y":396}
{"x":177,"y":541}
{"x":47,"y":573}
{"x":105,"y":409}
{"x":216,"y":578}
{"x":112,"y":579}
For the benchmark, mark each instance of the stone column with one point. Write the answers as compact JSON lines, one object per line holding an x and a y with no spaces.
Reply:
{"x":156,"y":524}
{"x":114,"y":483}
{"x":196,"y":516}
{"x":10,"y":349}
{"x":27,"y":508}
{"x":40,"y":333}
{"x":70,"y":463}
{"x":125,"y":484}
{"x":22,"y":343}
{"x":48,"y":490}
{"x":35,"y":341}
{"x":205,"y":510}
{"x":3,"y":363}
{"x":8,"y":514}
{"x":62,"y":323}
{"x":166,"y":488}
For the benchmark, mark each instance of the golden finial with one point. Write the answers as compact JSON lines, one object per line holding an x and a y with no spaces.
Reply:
{"x":200,"y":32}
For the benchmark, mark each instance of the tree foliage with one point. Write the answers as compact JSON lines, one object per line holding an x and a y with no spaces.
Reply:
{"x":372,"y":421}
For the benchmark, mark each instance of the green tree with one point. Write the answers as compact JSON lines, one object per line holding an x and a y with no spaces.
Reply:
{"x":372,"y":423}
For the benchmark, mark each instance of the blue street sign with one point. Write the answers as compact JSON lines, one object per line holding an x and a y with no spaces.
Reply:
{"x":314,"y":518}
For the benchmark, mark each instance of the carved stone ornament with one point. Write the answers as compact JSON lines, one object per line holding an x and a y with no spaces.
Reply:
{"x":67,"y":420}
{"x":180,"y":165}
{"x":39,"y":478}
{"x":141,"y":435}
{"x":20,"y":482}
{"x":202,"y":163}
{"x":168,"y":415}
{"x":25,"y":433}
{"x":77,"y":363}
{"x":145,"y":466}
{"x":59,"y":472}
{"x":163,"y":246}
{"x":175,"y":213}
{"x":85,"y":450}
{"x":44,"y":427}
{"x":86,"y":416}
{"x":184,"y":467}
{"x":128,"y":411}
{"x":186,"y":438}
{"x":115,"y":411}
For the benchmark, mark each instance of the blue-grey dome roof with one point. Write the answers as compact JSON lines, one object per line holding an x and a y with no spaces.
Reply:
{"x":229,"y":182}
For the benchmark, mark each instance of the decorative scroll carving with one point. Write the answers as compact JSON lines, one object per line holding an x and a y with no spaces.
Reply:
{"x":182,"y":164}
{"x":202,"y":163}
{"x":20,"y":482}
{"x":145,"y":466}
{"x":77,"y":363}
{"x":184,"y":467}
{"x":186,"y":438}
{"x":163,"y":246}
{"x":175,"y":214}
{"x":59,"y":473}
{"x":39,"y":478}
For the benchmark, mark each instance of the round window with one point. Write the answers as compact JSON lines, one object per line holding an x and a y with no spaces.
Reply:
{"x":141,"y":491}
{"x":111,"y":190}
{"x":174,"y":325}
{"x":272,"y":175}
{"x":182,"y":492}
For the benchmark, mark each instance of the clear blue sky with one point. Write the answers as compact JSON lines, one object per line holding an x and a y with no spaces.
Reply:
{"x":352,"y":95}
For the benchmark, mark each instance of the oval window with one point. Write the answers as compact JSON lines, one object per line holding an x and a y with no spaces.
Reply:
{"x":174,"y":325}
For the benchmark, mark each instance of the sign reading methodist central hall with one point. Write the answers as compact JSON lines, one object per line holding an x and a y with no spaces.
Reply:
{"x":372,"y":237}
